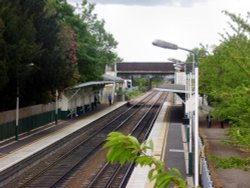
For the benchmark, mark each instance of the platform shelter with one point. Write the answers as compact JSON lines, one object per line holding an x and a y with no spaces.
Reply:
{"x":84,"y":97}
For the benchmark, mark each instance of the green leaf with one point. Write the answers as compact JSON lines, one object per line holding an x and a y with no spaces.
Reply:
{"x":175,"y":171}
{"x":127,"y":149}
{"x":163,"y":180}
{"x":152,"y":174}
{"x":151,"y":144}
{"x":144,"y":160}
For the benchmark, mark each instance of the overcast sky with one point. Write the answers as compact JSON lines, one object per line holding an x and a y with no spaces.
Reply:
{"x":145,"y":2}
{"x":187,"y":23}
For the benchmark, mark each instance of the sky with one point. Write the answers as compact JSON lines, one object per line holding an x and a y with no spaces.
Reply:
{"x":135,"y":24}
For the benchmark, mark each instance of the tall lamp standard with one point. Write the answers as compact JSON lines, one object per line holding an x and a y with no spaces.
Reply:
{"x":167,"y":45}
{"x":183,"y":65}
{"x":17,"y":101}
{"x":17,"y":110}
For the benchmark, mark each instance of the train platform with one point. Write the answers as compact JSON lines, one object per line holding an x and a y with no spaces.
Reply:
{"x":170,"y":146}
{"x":15,"y":151}
{"x":168,"y":135}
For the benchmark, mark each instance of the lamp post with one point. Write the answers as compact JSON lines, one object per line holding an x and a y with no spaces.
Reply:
{"x":167,"y":45}
{"x":17,"y":100}
{"x":187,"y":116}
{"x":56,"y":106}
{"x":180,"y":67}
{"x":17,"y":110}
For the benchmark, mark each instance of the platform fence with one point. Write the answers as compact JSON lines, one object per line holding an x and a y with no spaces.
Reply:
{"x":206,"y":179}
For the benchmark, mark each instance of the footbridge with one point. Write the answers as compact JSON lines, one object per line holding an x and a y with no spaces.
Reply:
{"x":130,"y":70}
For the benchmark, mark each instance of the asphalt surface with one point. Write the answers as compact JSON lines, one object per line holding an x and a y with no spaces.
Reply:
{"x":174,"y":157}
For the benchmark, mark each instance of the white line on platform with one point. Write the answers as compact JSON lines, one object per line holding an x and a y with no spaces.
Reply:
{"x":176,"y":150}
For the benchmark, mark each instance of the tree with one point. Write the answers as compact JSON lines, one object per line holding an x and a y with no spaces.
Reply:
{"x":57,"y":64}
{"x":64,"y":47}
{"x":201,"y":53}
{"x":95,"y":45}
{"x":32,"y":34}
{"x":224,"y":78}
{"x":3,"y":67}
{"x":18,"y":48}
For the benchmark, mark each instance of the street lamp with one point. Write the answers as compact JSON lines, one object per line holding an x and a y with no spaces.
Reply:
{"x":180,"y":64}
{"x":167,"y":45}
{"x":17,"y":100}
{"x":17,"y":109}
{"x":180,"y":67}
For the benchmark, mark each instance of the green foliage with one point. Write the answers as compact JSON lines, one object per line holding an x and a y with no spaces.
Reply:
{"x":224,"y":75}
{"x":157,"y":82}
{"x":95,"y":44}
{"x":122,"y":147}
{"x":224,"y":78}
{"x":240,"y":137}
{"x":18,"y":48}
{"x":132,"y":94}
{"x":142,"y":83}
{"x":200,"y":52}
{"x":128,"y":149}
{"x":64,"y":47}
{"x":57,"y":64}
{"x":232,"y":162}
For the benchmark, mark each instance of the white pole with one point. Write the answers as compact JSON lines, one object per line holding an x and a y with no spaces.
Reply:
{"x":190,"y":115}
{"x":164,"y":44}
{"x":186,"y":87}
{"x":196,"y":128}
{"x":17,"y":111}
{"x":17,"y":116}
{"x":56,"y":115}
{"x":190,"y":84}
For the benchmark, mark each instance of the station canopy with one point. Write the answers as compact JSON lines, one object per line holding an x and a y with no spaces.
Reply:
{"x":179,"y":89}
{"x":94,"y":83}
{"x":109,"y":77}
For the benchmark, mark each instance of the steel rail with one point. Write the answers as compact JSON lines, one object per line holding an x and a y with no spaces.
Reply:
{"x":93,"y":135}
{"x":114,"y":170}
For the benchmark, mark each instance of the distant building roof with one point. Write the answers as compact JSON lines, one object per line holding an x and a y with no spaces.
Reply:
{"x":145,"y":67}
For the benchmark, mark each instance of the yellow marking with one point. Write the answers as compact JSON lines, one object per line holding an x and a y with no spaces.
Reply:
{"x":160,"y":151}
{"x":166,"y":123}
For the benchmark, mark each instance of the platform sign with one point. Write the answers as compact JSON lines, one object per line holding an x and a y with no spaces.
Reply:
{"x":190,"y":104}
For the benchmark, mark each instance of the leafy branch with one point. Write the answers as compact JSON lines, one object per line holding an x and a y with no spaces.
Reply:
{"x":124,"y":149}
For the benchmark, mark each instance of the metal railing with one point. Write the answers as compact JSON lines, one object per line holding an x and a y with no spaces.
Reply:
{"x":205,"y":173}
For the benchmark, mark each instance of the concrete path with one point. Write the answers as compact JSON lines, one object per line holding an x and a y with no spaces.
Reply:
{"x":228,"y":178}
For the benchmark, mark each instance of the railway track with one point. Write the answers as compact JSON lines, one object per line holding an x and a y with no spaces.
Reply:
{"x":67,"y":162}
{"x":116,"y":176}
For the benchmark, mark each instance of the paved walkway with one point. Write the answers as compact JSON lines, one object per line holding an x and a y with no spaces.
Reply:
{"x":174,"y":157}
{"x":228,"y":178}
